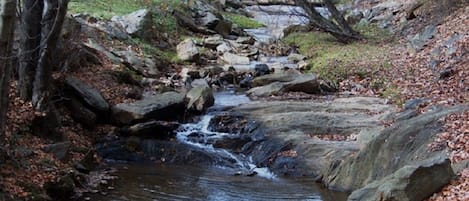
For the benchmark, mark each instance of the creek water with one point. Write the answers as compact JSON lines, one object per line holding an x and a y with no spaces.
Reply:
{"x":142,"y":182}
{"x":241,"y":179}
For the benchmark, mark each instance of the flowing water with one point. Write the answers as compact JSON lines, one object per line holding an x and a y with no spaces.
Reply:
{"x":142,"y":182}
{"x":241,"y":180}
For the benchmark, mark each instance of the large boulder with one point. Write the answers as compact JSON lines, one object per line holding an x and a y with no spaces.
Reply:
{"x":409,"y":183}
{"x":209,"y":20}
{"x":187,"y":50}
{"x":267,"y":90}
{"x":137,"y":24}
{"x":403,"y":144}
{"x":141,"y":64}
{"x":234,"y":59}
{"x":276,"y":77}
{"x":164,"y":106}
{"x":90,"y":96}
{"x":307,"y":83}
{"x":200,"y":98}
{"x":152,"y":129}
{"x":292,"y":126}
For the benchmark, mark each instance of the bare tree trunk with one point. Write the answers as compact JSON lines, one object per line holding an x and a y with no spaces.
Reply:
{"x":30,"y":43}
{"x":53,"y":16}
{"x":7,"y":24}
{"x":337,"y":27}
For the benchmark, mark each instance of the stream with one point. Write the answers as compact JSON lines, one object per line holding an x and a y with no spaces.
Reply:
{"x":238,"y":180}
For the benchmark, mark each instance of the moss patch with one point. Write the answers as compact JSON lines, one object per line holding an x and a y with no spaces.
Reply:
{"x":337,"y":61}
{"x":243,"y":21}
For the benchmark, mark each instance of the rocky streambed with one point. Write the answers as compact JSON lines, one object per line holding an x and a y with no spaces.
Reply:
{"x":239,"y":149}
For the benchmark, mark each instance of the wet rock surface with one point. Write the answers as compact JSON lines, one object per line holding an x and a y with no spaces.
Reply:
{"x":168,"y":105}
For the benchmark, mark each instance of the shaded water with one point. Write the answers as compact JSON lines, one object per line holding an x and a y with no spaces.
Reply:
{"x":161,"y":182}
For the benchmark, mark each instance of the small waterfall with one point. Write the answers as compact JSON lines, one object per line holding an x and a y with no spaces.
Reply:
{"x":199,"y":135}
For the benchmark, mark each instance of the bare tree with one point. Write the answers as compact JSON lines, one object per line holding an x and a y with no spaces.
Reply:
{"x":53,"y":16}
{"x":336,"y":25}
{"x":31,"y":16}
{"x":41,"y":23}
{"x":7,"y":26}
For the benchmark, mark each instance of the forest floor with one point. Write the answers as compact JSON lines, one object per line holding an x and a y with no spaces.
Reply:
{"x":27,"y":168}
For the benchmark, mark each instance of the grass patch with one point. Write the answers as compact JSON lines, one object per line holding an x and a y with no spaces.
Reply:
{"x":106,"y":9}
{"x":243,"y":21}
{"x":337,"y":61}
{"x":148,"y":49}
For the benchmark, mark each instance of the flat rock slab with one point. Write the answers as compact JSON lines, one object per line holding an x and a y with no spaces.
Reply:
{"x":164,"y":106}
{"x":294,"y":125}
{"x":89,"y":95}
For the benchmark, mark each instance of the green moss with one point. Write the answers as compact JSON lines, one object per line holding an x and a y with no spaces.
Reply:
{"x":106,"y":9}
{"x":373,"y":33}
{"x":394,"y":94}
{"x":148,"y":49}
{"x":243,"y":21}
{"x":337,"y":61}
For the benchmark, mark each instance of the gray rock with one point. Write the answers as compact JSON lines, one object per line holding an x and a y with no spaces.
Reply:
{"x":289,"y":125}
{"x":81,"y":114}
{"x":409,"y":183}
{"x":307,"y":83}
{"x":261,"y":69}
{"x":213,"y":41}
{"x":287,"y":76}
{"x":419,"y":41}
{"x":143,"y":65}
{"x":187,"y":50}
{"x":160,"y":107}
{"x":403,"y":144}
{"x":234,"y":59}
{"x":88,"y":95}
{"x":154,"y":129}
{"x":138,"y":23}
{"x":200,"y":98}
{"x":224,"y":47}
{"x":296,"y":57}
{"x":59,"y":150}
{"x":246,"y":40}
{"x":99,"y":48}
{"x":267,"y":90}
{"x":199,"y":82}
{"x":209,"y":20}
{"x":113,"y":29}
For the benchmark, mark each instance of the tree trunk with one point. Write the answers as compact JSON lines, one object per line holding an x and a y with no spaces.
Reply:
{"x":7,"y":24}
{"x":30,"y":42}
{"x":337,"y":27}
{"x":53,"y":16}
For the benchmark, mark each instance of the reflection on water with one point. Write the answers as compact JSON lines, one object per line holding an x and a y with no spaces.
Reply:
{"x":161,"y":182}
